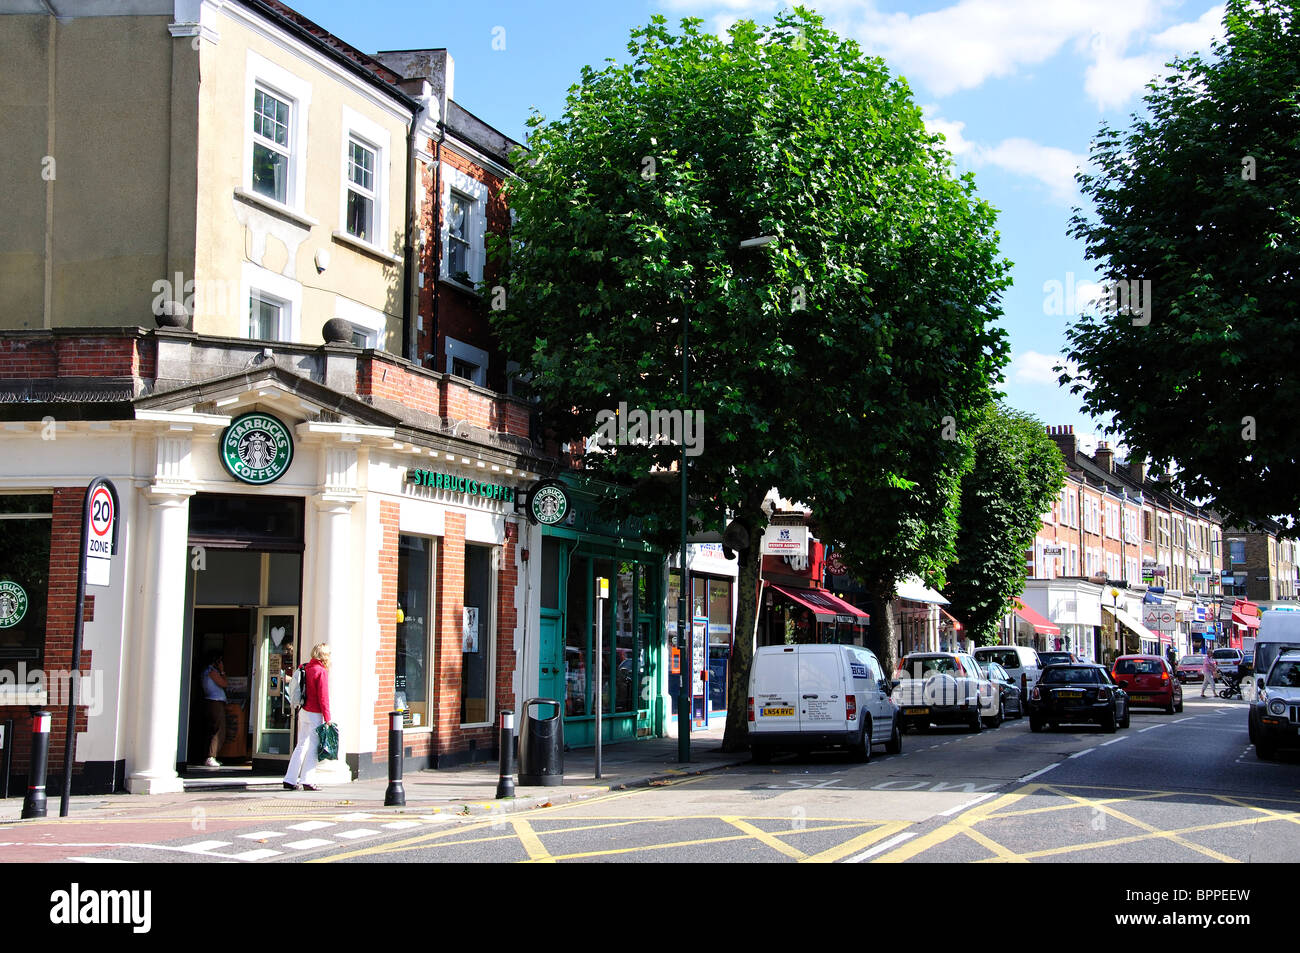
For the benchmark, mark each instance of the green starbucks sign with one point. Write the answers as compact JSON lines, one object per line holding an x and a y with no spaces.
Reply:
{"x":256,"y":448}
{"x":548,"y":503}
{"x":13,"y":604}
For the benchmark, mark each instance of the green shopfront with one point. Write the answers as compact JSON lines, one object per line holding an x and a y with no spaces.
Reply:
{"x":576,"y":551}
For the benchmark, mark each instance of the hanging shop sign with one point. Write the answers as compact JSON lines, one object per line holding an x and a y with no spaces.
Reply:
{"x":785,"y":541}
{"x":548,"y":503}
{"x":13,"y":603}
{"x":459,"y":484}
{"x":256,"y":448}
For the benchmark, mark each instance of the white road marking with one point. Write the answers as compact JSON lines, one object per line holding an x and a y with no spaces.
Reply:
{"x":204,"y":846}
{"x":1114,"y":741}
{"x":355,"y":816}
{"x":1030,"y":777}
{"x":309,"y":844}
{"x":311,"y":825}
{"x":1179,"y":721}
{"x":97,"y":860}
{"x":1080,"y":754}
{"x":255,"y":854}
{"x":400,"y":825}
{"x":359,"y":832}
{"x":880,"y":848}
{"x":262,"y":835}
{"x":1152,"y":728}
{"x":961,"y":807}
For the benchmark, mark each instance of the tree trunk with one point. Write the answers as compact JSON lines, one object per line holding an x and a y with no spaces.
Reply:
{"x":736,"y":737}
{"x":884,"y":629}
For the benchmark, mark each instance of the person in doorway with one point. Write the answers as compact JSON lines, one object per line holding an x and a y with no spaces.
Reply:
{"x":315,"y":712}
{"x":1211,"y":674}
{"x":214,"y":700}
{"x":1170,"y":657}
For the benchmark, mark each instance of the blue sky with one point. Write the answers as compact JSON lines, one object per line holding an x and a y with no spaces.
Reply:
{"x":1019,"y":87}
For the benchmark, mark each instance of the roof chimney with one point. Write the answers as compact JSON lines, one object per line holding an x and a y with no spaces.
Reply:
{"x":1105,"y":457}
{"x":1137,"y":469}
{"x":1066,"y":441}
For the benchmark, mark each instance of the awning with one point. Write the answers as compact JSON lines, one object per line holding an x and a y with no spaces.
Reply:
{"x":1041,"y":625}
{"x":825,"y":606}
{"x":914,"y":590}
{"x":955,"y":624}
{"x":1131,"y":623}
{"x":1246,"y":621}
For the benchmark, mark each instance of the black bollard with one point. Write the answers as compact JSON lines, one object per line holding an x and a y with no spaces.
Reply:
{"x":506,"y":783}
{"x":34,"y":803}
{"x":395,"y":796}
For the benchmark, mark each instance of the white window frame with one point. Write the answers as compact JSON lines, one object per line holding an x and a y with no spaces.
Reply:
{"x":254,"y":279}
{"x":476,"y":192}
{"x":376,"y":138}
{"x":470,"y":354}
{"x":296,"y":91}
{"x":373,"y":324}
{"x":487,"y":627}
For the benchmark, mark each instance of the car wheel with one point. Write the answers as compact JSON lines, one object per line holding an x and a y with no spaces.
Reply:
{"x":1124,"y":722}
{"x":1170,"y":709}
{"x":1250,"y":727}
{"x":997,"y":719}
{"x":895,"y":743}
{"x":1035,"y":724}
{"x":1265,"y":752}
{"x":1108,"y":722}
{"x":862,"y":750}
{"x":1178,"y":709}
{"x":976,"y":722}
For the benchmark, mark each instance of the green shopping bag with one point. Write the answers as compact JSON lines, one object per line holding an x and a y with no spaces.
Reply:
{"x":327,"y":742}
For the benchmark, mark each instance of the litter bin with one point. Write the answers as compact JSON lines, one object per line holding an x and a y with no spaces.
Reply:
{"x":541,"y":746}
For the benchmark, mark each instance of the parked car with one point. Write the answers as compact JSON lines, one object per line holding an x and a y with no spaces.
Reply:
{"x":1018,"y":660}
{"x":1191,"y":668}
{"x":1080,"y":692}
{"x":945,"y":688}
{"x":1278,"y":629}
{"x":1149,"y":681}
{"x":1059,"y":658}
{"x":820,"y":696}
{"x":1010,"y":697}
{"x":1274,"y":719}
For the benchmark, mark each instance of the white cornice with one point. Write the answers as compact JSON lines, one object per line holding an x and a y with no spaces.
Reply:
{"x":460,"y":145}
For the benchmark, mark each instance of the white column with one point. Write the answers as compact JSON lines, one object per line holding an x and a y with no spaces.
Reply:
{"x":158,"y":649}
{"x":335,"y":623}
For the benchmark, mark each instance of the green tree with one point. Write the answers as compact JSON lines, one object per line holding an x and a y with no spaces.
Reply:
{"x":1199,"y":198}
{"x":861,"y":320}
{"x":1017,"y":472}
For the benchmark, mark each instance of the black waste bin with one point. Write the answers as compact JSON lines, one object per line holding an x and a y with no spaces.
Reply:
{"x":541,"y":746}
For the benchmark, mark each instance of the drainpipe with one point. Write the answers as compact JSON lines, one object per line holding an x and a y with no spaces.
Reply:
{"x":410,"y":286}
{"x":436,"y":237}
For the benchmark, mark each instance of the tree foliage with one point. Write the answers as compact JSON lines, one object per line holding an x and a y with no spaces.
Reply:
{"x":1199,"y":197}
{"x":823,"y":360}
{"x":1017,"y":472}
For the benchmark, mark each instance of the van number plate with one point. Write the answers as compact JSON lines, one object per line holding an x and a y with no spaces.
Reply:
{"x":916,"y":711}
{"x":778,"y":712}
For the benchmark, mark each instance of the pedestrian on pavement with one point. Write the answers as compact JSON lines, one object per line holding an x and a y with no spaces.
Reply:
{"x":1211,"y":673}
{"x":214,"y":700}
{"x":314,"y":713}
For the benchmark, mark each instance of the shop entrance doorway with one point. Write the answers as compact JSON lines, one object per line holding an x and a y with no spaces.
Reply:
{"x":243,"y":598}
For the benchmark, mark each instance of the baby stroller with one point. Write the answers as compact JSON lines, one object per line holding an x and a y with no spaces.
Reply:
{"x":1231,"y":685}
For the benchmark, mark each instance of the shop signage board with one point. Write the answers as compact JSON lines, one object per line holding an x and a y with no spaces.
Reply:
{"x":699,"y":662}
{"x":459,"y":484}
{"x":548,"y":503}
{"x":257,"y":448}
{"x":785,"y":541}
{"x":13,"y":603}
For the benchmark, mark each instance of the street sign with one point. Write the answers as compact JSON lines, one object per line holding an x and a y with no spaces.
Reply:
{"x":785,"y":541}
{"x":101,"y":520}
{"x":1159,"y":618}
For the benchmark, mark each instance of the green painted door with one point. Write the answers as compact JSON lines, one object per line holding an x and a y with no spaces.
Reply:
{"x":550,"y":680}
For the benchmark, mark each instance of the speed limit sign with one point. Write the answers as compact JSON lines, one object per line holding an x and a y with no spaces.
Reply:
{"x":99,"y":541}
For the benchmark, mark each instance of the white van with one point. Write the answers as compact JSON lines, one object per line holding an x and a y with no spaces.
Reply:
{"x":820,"y":696}
{"x":1278,"y":629}
{"x":1020,"y":661}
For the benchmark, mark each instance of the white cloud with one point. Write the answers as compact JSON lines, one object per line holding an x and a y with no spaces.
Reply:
{"x":1052,"y":166}
{"x":1114,"y":78}
{"x":1031,"y":367}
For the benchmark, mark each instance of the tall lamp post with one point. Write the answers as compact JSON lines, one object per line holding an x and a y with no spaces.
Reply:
{"x":685,"y":633}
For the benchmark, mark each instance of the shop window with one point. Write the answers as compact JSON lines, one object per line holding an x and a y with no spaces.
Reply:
{"x":247,"y":520}
{"x":551,"y":553}
{"x":625,"y":655}
{"x":412,"y":666}
{"x":25,"y":523}
{"x":476,"y":637}
{"x":577,"y":628}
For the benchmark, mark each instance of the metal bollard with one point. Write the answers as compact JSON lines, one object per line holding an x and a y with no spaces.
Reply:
{"x":395,"y":796}
{"x":506,"y":783}
{"x":34,"y":803}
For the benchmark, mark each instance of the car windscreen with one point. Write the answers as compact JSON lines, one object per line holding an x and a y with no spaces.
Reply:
{"x":1138,"y":666}
{"x":925,"y":667}
{"x":1064,"y":675}
{"x":1006,"y":658}
{"x":1192,"y":660}
{"x":1225,"y":653}
{"x":1285,"y":674}
{"x":1050,"y":658}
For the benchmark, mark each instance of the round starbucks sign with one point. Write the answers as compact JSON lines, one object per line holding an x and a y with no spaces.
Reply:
{"x":256,"y":448}
{"x":548,"y":504}
{"x":13,"y":603}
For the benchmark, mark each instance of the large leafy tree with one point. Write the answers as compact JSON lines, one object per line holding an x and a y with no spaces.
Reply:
{"x":1018,"y":471}
{"x":861,"y":320}
{"x":1199,"y":198}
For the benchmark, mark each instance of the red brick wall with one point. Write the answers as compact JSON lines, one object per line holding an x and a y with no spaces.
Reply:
{"x":88,"y":356}
{"x":65,"y":540}
{"x":444,"y":396}
{"x":386,"y":656}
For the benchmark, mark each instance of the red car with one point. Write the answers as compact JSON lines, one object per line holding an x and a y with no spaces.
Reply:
{"x":1191,"y":668}
{"x":1149,"y":681}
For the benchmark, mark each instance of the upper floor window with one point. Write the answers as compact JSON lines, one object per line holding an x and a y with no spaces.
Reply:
{"x":361,"y":191}
{"x":1237,"y":550}
{"x":271,"y":146}
{"x":458,"y":246}
{"x":464,"y":226}
{"x":268,"y":317}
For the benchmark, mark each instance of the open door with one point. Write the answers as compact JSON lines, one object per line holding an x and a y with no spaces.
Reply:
{"x":274,"y":660}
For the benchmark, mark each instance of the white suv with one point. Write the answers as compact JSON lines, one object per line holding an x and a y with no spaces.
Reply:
{"x":1021,"y":663}
{"x":945,"y":688}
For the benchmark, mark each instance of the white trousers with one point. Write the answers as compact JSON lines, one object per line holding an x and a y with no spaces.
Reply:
{"x":302,"y":765}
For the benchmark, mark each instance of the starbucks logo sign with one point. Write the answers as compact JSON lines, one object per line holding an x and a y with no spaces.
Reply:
{"x":13,"y":604}
{"x":256,"y":448}
{"x":548,"y":504}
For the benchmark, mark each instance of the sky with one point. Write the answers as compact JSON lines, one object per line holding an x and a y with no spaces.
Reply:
{"x":1017,"y":87}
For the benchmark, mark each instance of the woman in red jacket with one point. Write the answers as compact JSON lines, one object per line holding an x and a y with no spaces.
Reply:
{"x":315,"y":712}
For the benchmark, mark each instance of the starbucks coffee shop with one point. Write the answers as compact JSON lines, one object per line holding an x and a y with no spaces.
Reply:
{"x":269,"y":502}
